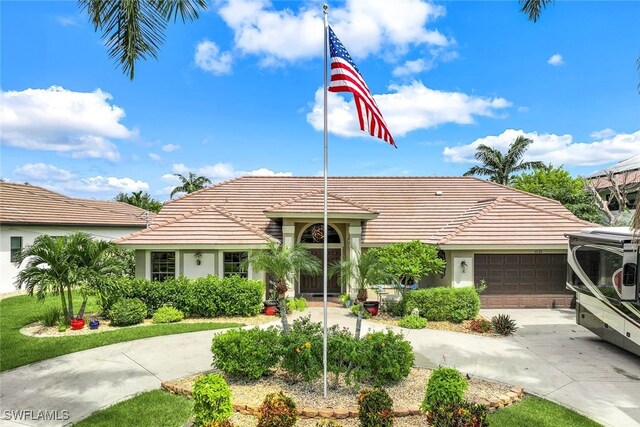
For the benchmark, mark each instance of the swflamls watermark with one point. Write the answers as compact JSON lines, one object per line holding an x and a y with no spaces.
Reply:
{"x":36,"y":415}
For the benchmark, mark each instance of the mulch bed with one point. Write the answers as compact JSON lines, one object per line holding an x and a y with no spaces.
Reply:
{"x":463,"y":327}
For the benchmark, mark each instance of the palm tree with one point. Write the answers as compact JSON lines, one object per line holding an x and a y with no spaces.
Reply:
{"x":190,"y":184}
{"x":133,"y":30}
{"x":366,"y":271}
{"x":533,"y":8}
{"x":285,"y":264}
{"x":140,"y":199}
{"x":57,"y":265}
{"x":499,"y":167}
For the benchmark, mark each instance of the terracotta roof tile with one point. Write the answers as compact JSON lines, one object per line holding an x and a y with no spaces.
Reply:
{"x":29,"y":204}
{"x":426,"y":208}
{"x":313,"y":201}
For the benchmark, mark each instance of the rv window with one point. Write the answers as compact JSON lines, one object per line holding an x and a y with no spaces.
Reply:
{"x":629,"y":274}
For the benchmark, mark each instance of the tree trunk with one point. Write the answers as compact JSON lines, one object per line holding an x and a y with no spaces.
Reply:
{"x":283,"y":314}
{"x":70,"y":302}
{"x":65,"y":309}
{"x":82,"y":307}
{"x":359,"y":321}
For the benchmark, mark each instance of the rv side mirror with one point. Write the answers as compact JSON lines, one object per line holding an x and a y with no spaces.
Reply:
{"x":629,"y":288}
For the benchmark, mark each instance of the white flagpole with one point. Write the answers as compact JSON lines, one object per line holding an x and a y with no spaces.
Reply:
{"x":326,"y":227}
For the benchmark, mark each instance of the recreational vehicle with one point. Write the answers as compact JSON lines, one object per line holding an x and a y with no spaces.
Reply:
{"x":603,"y":271}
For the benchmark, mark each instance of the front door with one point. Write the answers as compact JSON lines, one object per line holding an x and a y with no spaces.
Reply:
{"x":313,"y":284}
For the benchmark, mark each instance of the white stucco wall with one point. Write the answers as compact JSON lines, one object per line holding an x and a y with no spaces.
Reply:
{"x":9,"y":270}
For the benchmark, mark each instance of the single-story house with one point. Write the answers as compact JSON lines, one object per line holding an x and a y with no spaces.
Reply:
{"x":28,"y":211}
{"x":511,"y":239}
{"x":627,"y":175}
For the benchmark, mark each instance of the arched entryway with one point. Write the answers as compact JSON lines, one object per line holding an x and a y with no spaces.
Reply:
{"x":312,"y":237}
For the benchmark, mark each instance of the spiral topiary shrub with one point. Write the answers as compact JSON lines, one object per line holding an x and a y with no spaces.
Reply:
{"x":375,"y":408}
{"x":445,"y":385}
{"x":277,"y":410}
{"x":211,"y":399}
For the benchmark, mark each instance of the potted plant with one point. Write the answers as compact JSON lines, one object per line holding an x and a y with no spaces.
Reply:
{"x":271,"y":304}
{"x":77,"y":324}
{"x":62,"y":327}
{"x":346,"y":300}
{"x":372,"y":307}
{"x":94,"y":323}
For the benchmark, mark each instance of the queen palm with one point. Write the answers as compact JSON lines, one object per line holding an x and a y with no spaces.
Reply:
{"x":365,"y":271}
{"x":190,"y":183}
{"x":284,"y":264}
{"x":501,"y":167}
{"x":133,"y":30}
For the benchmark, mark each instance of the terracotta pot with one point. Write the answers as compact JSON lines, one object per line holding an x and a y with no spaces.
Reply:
{"x":372,"y":307}
{"x":270,"y":308}
{"x":77,"y":324}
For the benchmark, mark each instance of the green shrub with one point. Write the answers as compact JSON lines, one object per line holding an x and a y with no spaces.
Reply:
{"x":394,"y":306}
{"x":413,"y":322}
{"x":504,"y":324}
{"x":128,"y":311}
{"x":296,"y":304}
{"x":246,"y":353}
{"x":51,"y":315}
{"x":354,"y":310}
{"x":167,"y":314}
{"x":446,"y":385}
{"x":375,"y":408}
{"x":208,"y":296}
{"x":277,"y":410}
{"x":480,"y":325}
{"x":383,"y":358}
{"x":438,"y":304}
{"x":340,"y":349}
{"x":211,"y":399}
{"x":302,"y":350}
{"x":458,"y":414}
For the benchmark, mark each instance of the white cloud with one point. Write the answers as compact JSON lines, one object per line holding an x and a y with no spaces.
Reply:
{"x":555,"y":60}
{"x":413,"y":67}
{"x":168,"y":148}
{"x":216,"y":173}
{"x":365,"y":27}
{"x":604,"y":133}
{"x":43,"y":172}
{"x":58,"y":179}
{"x":406,"y":108}
{"x":68,"y":21}
{"x":79,"y":124}
{"x":155,"y":157}
{"x":209,"y":58}
{"x":555,"y":149}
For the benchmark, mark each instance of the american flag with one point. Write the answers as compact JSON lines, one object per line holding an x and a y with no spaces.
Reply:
{"x":345,"y":77}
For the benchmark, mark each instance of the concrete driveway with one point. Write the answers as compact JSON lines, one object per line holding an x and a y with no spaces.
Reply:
{"x":550,"y":356}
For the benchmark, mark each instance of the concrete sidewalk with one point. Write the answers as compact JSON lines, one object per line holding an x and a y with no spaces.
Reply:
{"x":550,"y":356}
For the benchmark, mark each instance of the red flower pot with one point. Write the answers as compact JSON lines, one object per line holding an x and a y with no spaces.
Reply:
{"x":372,"y":307}
{"x":270,"y":311}
{"x":77,"y":324}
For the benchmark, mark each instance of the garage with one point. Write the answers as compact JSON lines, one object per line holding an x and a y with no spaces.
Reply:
{"x":523,"y":280}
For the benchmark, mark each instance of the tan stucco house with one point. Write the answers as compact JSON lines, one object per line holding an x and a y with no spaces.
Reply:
{"x":28,"y":211}
{"x":511,"y":239}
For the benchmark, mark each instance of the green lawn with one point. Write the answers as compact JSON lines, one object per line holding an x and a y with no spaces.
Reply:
{"x":533,"y":411}
{"x":159,"y":408}
{"x":18,"y":350}
{"x":153,"y":408}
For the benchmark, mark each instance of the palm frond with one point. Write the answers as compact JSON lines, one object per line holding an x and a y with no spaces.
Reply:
{"x":533,"y":8}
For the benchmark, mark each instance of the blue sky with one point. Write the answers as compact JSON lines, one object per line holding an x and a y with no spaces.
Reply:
{"x":239,"y":92}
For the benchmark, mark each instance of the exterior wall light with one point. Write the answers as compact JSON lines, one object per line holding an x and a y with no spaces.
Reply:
{"x":198,"y":255}
{"x":463,"y":266}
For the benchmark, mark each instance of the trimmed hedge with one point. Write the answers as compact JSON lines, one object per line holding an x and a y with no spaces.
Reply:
{"x":438,"y":304}
{"x":208,"y":296}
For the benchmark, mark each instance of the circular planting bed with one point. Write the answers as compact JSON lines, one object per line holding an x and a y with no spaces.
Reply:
{"x":341,"y":401}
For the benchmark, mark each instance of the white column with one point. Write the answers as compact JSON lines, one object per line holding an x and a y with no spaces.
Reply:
{"x":355,"y":249}
{"x":289,"y":239}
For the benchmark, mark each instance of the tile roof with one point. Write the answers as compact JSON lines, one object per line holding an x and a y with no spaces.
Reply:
{"x":29,"y":204}
{"x":430,"y":209}
{"x":313,"y":202}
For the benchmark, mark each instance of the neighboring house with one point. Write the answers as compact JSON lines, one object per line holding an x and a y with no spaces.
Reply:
{"x":626,"y":175}
{"x":27,"y":211}
{"x":511,"y":239}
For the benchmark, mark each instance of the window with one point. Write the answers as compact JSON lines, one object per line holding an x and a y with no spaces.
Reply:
{"x":232,"y":263}
{"x":315,"y":234}
{"x":16,"y":248}
{"x":163,"y":265}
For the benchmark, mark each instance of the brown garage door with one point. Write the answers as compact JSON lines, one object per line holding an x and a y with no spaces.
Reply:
{"x":523,"y":280}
